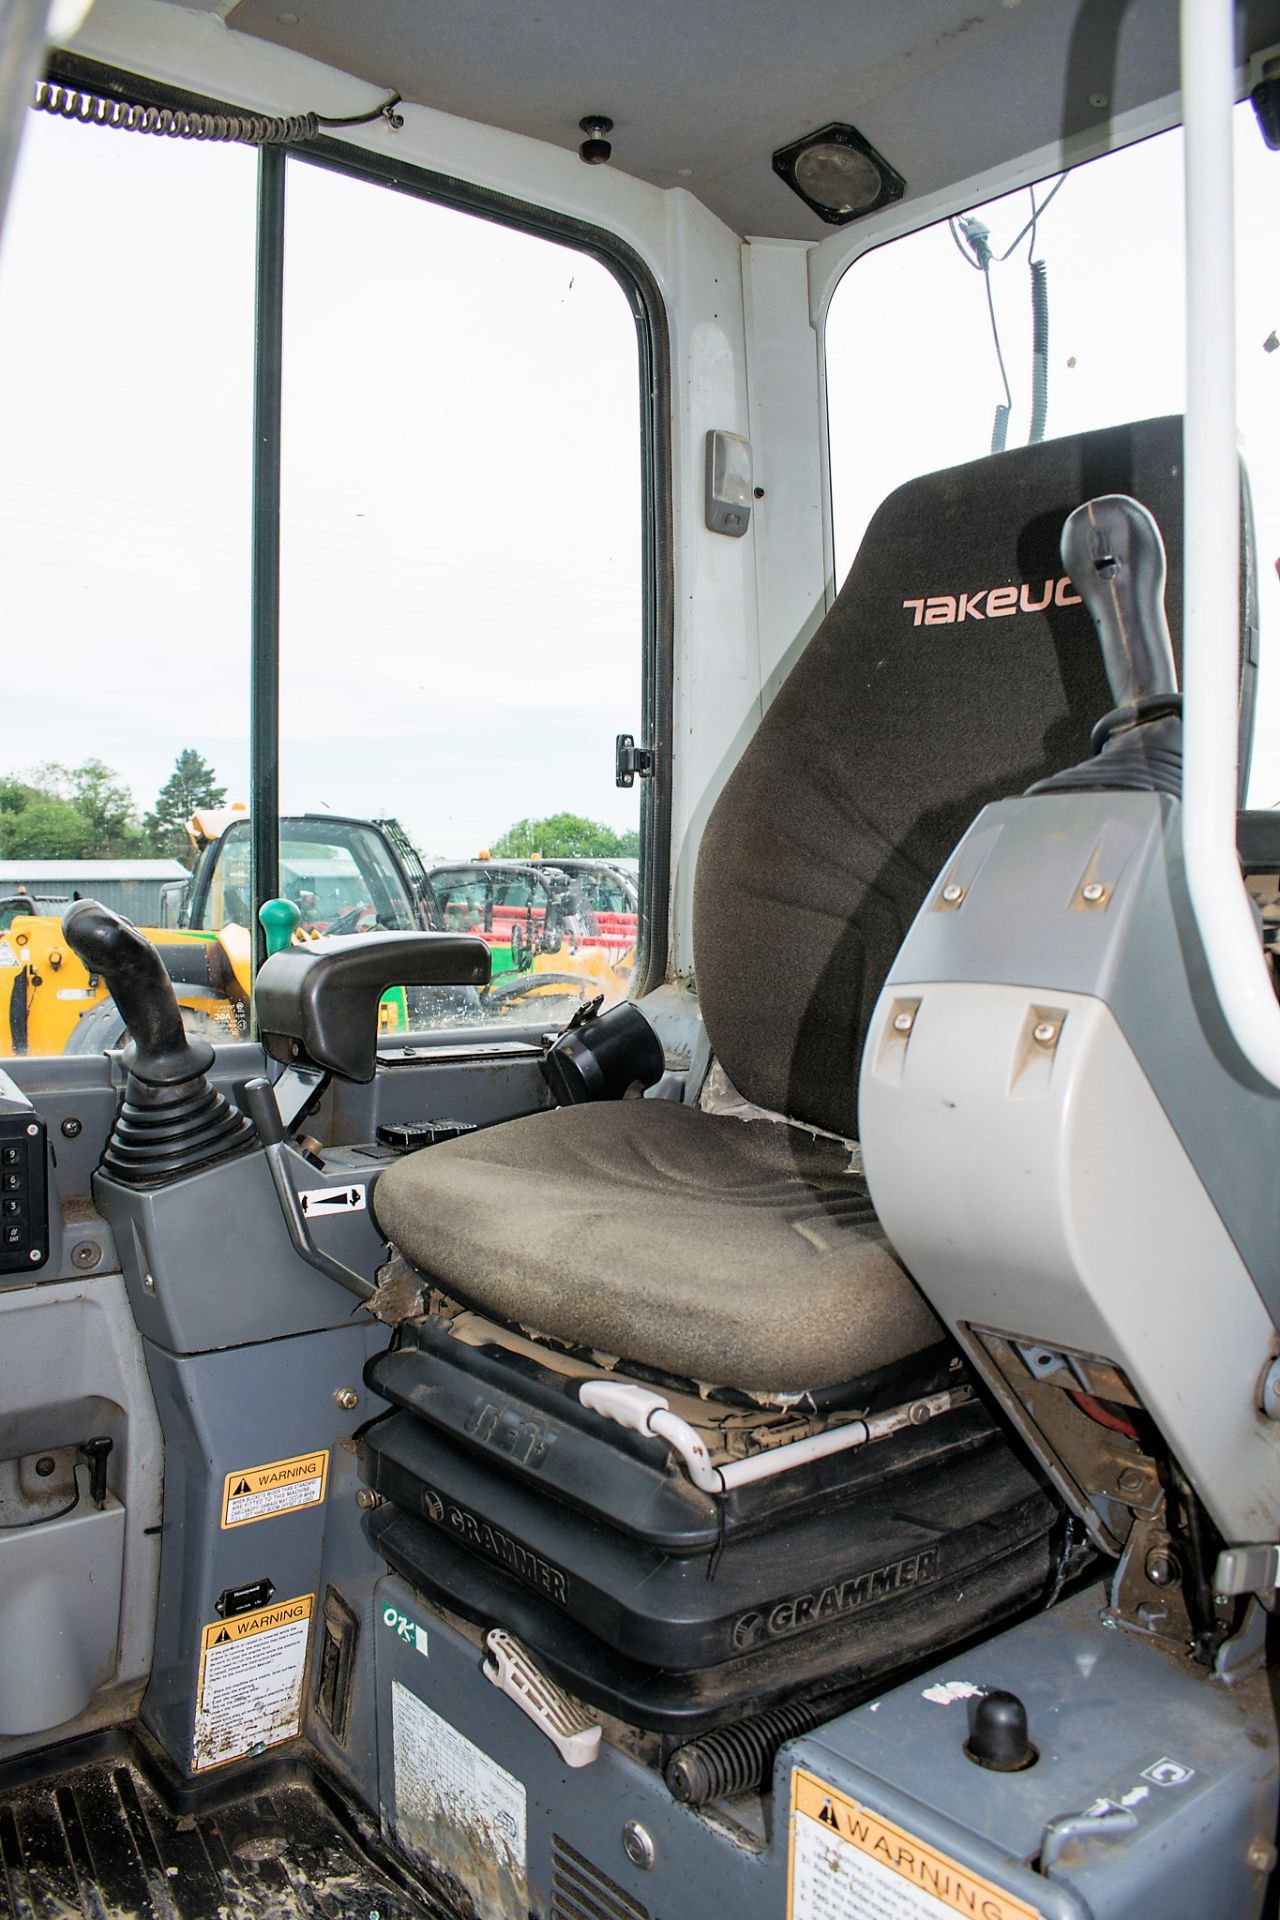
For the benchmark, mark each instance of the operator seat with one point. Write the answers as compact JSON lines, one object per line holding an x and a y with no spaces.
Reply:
{"x":956,"y":667}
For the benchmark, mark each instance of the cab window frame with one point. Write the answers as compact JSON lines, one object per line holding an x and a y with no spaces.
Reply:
{"x":653,"y":415}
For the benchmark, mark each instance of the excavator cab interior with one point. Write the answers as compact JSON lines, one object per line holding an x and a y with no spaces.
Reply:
{"x":796,"y":1434}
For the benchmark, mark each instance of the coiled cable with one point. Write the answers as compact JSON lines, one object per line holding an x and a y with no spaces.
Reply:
{"x":1039,"y":350}
{"x":181,"y":123}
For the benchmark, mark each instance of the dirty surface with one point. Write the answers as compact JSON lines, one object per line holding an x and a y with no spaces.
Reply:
{"x":96,"y":1843}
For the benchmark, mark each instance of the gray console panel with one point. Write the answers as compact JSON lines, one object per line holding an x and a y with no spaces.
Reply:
{"x":1022,"y":922}
{"x":225,"y":1413}
{"x":1116,"y":1720}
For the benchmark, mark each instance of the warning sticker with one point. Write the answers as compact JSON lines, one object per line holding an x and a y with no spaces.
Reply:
{"x":282,"y":1486}
{"x":251,"y":1672}
{"x":848,"y":1863}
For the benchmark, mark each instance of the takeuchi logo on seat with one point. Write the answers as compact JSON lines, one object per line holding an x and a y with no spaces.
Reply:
{"x":990,"y":603}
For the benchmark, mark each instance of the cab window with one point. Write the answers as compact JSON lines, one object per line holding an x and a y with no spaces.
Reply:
{"x":454,"y":387}
{"x":918,"y":362}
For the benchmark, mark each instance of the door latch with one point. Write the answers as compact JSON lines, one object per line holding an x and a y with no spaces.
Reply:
{"x":630,"y":761}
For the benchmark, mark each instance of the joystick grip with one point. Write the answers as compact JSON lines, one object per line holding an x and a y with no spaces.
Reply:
{"x":161,"y":1054}
{"x":1112,"y":549}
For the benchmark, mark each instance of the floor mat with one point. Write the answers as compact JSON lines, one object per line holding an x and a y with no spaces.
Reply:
{"x":97,"y":1843}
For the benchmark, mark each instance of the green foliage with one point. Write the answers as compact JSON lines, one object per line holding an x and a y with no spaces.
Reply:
{"x":55,"y":812}
{"x":47,"y":828}
{"x":192,"y":784}
{"x":567,"y":836}
{"x":107,"y":807}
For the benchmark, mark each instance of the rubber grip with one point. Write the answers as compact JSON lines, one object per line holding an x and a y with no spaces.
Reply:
{"x":161,"y":1053}
{"x":1112,"y":549}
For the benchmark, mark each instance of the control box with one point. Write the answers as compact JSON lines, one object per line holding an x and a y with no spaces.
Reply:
{"x":24,"y":1193}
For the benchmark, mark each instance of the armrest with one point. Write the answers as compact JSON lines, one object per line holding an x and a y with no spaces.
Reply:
{"x":317,"y":1005}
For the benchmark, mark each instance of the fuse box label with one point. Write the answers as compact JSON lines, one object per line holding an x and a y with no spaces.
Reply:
{"x":848,"y":1863}
{"x":251,"y":1673}
{"x":281,"y":1486}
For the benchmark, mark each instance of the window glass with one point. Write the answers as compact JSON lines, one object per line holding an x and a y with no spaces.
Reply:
{"x":461,"y":577}
{"x":461,"y":623}
{"x":914,"y":376}
{"x":126,"y":409}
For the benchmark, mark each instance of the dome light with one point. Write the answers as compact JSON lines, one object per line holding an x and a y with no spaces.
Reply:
{"x":838,"y":173}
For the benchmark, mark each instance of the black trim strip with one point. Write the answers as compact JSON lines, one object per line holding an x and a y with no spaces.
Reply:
{"x":264,"y":669}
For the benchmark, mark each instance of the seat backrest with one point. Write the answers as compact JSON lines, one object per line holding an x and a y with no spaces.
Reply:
{"x":956,"y":667}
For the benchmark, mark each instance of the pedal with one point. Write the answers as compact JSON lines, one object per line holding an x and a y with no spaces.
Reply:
{"x":575,"y":1737}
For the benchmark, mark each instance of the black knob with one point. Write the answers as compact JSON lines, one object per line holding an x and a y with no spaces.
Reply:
{"x":998,"y":1733}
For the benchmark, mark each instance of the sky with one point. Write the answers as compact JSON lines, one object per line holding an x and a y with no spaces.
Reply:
{"x":461,"y":617}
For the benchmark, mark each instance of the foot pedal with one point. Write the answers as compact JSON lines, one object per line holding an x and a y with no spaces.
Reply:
{"x":574,"y":1736}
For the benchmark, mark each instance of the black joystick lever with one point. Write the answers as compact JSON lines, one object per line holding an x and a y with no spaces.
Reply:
{"x":1112,"y":549}
{"x":171,"y":1121}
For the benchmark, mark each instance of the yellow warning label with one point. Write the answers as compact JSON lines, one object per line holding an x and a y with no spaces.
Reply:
{"x":251,"y":1672}
{"x":282,"y":1486}
{"x":848,"y":1863}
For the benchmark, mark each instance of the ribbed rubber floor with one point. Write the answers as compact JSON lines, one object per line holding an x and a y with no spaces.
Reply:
{"x":95,"y":1843}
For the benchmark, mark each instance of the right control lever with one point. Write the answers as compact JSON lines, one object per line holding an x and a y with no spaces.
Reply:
{"x":1112,"y":549}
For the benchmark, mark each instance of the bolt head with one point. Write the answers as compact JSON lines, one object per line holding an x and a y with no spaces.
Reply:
{"x":72,"y":1129}
{"x":953,"y":894}
{"x":86,"y":1255}
{"x":45,"y":1465}
{"x":33,"y":1130}
{"x":1093,"y":890}
{"x":1261,"y":1856}
{"x":903,"y":1022}
{"x":367,"y":1499}
{"x":1132,"y":1480}
{"x":637,"y":1844}
{"x":347,"y":1397}
{"x":1161,"y":1567}
{"x":1044,"y":1033}
{"x":148,"y":1283}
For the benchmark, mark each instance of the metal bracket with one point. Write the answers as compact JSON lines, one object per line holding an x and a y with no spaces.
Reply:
{"x":630,"y":761}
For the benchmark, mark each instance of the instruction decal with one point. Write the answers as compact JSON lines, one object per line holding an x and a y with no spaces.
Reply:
{"x":251,"y":1673}
{"x":848,"y":1863}
{"x":282,"y":1486}
{"x":320,"y":1200}
{"x":457,"y":1807}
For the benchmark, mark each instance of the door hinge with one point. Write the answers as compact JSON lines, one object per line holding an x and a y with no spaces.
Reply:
{"x":630,"y":760}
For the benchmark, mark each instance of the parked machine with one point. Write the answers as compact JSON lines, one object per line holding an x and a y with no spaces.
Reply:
{"x":800,"y":1441}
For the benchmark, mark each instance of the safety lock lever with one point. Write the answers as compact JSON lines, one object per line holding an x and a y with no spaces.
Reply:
{"x":574,"y":1735}
{"x":1247,"y":1570}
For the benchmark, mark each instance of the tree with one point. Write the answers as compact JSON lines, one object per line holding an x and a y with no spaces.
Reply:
{"x":47,"y":828}
{"x":566,"y":836}
{"x":67,"y":813}
{"x":108,"y":807}
{"x":192,"y":784}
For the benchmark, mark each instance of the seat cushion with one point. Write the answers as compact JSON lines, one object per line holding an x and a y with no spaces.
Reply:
{"x":740,"y":1253}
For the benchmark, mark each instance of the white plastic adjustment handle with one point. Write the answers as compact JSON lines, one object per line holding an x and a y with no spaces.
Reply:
{"x":647,"y":1412}
{"x":571,"y":1732}
{"x":623,"y":1402}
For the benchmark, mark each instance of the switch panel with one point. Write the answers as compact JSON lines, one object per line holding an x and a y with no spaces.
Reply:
{"x":24,"y":1208}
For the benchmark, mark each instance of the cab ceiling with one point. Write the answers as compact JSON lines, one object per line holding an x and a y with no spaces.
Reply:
{"x":701,"y":92}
